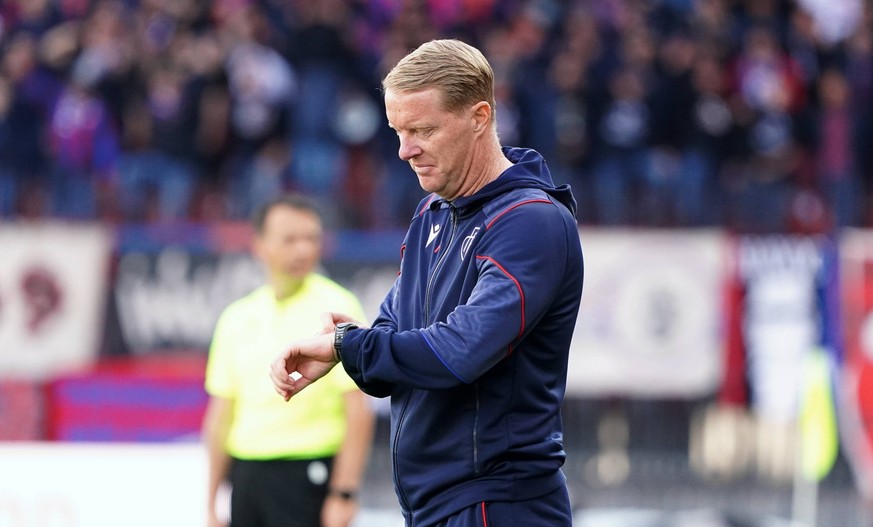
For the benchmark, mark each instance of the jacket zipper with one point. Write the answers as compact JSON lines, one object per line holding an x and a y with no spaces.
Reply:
{"x":400,"y":419}
{"x":442,"y":258}
{"x":476,"y":432}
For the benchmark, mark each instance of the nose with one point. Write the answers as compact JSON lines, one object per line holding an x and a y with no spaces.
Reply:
{"x":408,"y":148}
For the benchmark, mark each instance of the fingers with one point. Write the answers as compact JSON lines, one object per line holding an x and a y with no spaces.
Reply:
{"x":304,"y":362}
{"x":329,"y":320}
{"x":282,"y":382}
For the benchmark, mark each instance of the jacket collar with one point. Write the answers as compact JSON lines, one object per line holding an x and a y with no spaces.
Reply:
{"x":529,"y":170}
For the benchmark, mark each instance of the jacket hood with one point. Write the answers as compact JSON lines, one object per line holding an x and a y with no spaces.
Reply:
{"x":529,"y":170}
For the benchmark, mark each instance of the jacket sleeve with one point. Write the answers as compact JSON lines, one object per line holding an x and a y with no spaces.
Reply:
{"x":386,"y":321}
{"x":521,"y":262}
{"x":387,"y":317}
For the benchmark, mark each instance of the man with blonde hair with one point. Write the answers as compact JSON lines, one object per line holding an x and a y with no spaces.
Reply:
{"x":472,"y":341}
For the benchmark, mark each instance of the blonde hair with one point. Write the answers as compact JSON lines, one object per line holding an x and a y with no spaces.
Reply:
{"x":455,"y":68}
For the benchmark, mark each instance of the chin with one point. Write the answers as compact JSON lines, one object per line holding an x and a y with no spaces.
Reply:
{"x":429,"y":185}
{"x":296,"y":273}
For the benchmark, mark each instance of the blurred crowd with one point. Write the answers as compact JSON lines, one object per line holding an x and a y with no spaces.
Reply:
{"x":754,"y":115}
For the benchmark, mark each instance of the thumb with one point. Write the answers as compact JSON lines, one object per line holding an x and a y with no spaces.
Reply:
{"x":329,"y":321}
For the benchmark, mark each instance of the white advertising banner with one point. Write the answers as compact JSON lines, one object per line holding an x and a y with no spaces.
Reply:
{"x":782,"y":318}
{"x":114,"y":484}
{"x":52,"y":291}
{"x":650,"y":323}
{"x":102,"y":485}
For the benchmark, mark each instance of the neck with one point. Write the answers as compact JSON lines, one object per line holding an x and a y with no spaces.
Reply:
{"x":285,"y":287}
{"x":489,"y":166}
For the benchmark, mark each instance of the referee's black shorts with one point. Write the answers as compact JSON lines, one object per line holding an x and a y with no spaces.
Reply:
{"x":278,"y":493}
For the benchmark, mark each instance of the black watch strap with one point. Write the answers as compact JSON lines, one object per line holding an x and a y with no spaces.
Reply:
{"x":343,"y":494}
{"x":338,"y":335}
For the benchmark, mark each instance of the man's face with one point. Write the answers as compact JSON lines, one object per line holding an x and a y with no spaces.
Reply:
{"x":438,"y":144}
{"x":290,"y":246}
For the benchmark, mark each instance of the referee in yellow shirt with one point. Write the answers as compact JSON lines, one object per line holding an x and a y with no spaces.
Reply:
{"x":289,"y":465}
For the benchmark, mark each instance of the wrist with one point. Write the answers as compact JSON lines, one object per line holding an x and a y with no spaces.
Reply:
{"x":343,"y":494}
{"x":339,"y":334}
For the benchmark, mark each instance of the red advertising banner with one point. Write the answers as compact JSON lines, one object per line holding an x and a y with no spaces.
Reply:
{"x":21,"y":411}
{"x":856,"y":395}
{"x":140,"y":399}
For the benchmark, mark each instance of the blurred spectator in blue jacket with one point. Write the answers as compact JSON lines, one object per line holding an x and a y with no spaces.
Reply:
{"x":82,"y":138}
{"x":84,"y":148}
{"x":859,"y":74}
{"x":569,"y":74}
{"x":21,"y":128}
{"x":157,"y":171}
{"x":676,"y":185}
{"x":835,"y":161}
{"x":262,"y":87}
{"x":767,"y":93}
{"x":9,"y":180}
{"x":319,"y":50}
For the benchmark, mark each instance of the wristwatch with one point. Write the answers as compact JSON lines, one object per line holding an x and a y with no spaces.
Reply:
{"x":338,"y":335}
{"x":346,"y":495}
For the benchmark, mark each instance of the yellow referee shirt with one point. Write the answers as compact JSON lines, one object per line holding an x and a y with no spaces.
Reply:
{"x":248,"y":335}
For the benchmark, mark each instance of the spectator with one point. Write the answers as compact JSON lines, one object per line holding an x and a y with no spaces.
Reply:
{"x":621,"y":165}
{"x":84,"y":147}
{"x":835,"y":161}
{"x":174,"y":70}
{"x":33,"y":91}
{"x":319,"y":51}
{"x":711,"y":135}
{"x":859,"y":73}
{"x":9,"y":180}
{"x":768,"y":93}
{"x":675,"y":189}
{"x":262,"y":88}
{"x":156,"y":171}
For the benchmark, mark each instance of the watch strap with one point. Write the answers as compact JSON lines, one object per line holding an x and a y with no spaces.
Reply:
{"x":343,"y":494}
{"x":338,"y":335}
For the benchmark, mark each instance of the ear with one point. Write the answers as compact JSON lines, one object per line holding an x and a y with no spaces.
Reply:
{"x":481,"y":116}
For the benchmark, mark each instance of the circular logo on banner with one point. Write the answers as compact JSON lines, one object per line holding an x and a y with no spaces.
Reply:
{"x":657,"y":311}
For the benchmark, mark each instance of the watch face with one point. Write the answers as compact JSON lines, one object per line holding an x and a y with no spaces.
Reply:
{"x":342,"y":327}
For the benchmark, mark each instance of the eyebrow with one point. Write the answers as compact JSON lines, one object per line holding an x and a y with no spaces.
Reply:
{"x":420,"y":128}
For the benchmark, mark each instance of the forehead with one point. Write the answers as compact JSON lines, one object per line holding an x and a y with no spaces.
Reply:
{"x":405,"y":108}
{"x":284,"y":219}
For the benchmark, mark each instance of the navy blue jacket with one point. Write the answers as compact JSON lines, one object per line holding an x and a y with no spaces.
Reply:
{"x":472,"y":342}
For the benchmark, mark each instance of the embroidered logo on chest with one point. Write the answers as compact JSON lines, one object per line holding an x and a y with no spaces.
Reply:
{"x":434,"y":231}
{"x":468,"y":241}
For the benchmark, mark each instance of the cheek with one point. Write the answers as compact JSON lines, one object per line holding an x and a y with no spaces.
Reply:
{"x":309,"y":251}
{"x":457,"y":150}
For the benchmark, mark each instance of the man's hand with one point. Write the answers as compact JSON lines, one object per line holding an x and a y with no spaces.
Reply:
{"x":329,"y":320}
{"x":304,"y":362}
{"x":338,"y":512}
